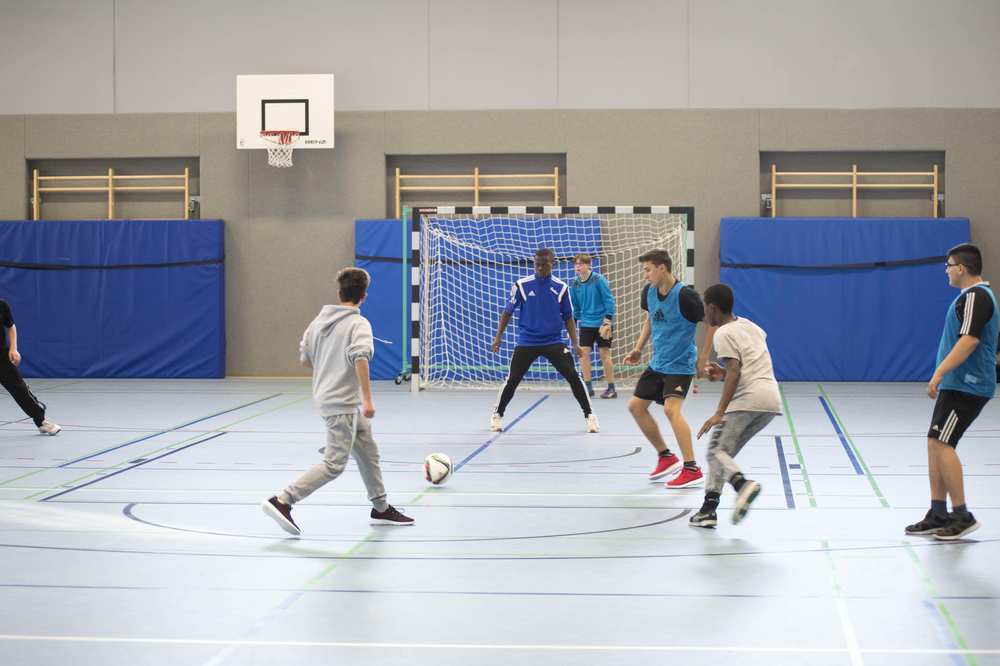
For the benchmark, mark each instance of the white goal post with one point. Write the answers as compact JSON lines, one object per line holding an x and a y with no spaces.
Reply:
{"x":464,"y":261}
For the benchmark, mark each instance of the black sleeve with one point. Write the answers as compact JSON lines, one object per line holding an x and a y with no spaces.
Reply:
{"x":642,"y":300}
{"x":6,"y":316}
{"x":974,"y":310}
{"x":691,"y":306}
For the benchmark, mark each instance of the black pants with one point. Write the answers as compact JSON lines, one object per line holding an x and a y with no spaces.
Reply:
{"x":12,"y":380}
{"x":561,"y":359}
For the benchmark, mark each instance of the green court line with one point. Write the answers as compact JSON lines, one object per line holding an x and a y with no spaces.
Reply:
{"x":798,"y":449}
{"x":939,"y":605}
{"x":174,"y":445}
{"x":857,"y":451}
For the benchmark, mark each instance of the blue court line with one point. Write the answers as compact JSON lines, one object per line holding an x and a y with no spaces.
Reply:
{"x":485,"y":445}
{"x":138,"y":464}
{"x":163,"y":432}
{"x":843,"y":439}
{"x":789,"y":497}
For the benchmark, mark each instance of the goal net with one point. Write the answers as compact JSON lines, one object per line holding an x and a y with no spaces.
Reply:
{"x":469,"y":259}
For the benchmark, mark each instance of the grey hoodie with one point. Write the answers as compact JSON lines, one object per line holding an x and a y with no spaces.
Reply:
{"x":333,"y":341}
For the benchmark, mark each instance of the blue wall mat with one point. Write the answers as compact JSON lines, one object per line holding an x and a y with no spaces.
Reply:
{"x":122,"y":298}
{"x":843,"y":299}
{"x":378,"y":248}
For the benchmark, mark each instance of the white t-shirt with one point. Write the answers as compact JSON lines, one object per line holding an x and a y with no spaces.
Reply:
{"x":757,"y":390}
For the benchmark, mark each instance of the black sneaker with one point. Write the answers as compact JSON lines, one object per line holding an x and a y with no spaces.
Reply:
{"x":282,"y":514}
{"x":748,"y":493}
{"x":704,"y":518}
{"x":391,"y":516}
{"x":957,"y":527}
{"x":929,"y":526}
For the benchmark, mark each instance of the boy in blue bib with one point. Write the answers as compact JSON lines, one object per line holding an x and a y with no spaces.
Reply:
{"x":674,"y":310}
{"x":964,"y":381}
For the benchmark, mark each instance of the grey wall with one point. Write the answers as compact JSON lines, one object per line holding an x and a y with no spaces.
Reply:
{"x":289,"y":230}
{"x":149,"y":56}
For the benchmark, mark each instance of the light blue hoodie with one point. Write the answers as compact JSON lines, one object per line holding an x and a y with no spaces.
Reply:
{"x":592,"y":300}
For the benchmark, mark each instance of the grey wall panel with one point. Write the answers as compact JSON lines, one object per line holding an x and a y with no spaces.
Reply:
{"x":447,"y":132}
{"x":69,"y":136}
{"x":118,"y":135}
{"x":185,"y":56}
{"x":847,"y":54}
{"x":224,"y":170}
{"x":707,"y":159}
{"x":298,"y":234}
{"x":631,"y":54}
{"x":490,"y":55}
{"x":56,"y":56}
{"x":13,"y":169}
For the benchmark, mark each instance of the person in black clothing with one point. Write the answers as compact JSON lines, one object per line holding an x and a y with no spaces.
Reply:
{"x":11,"y":377}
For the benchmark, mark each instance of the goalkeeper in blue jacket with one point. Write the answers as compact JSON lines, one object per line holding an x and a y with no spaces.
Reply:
{"x":594,"y":308}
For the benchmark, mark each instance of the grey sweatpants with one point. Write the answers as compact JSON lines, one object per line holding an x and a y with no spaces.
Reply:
{"x":728,"y":438}
{"x":346,"y":434}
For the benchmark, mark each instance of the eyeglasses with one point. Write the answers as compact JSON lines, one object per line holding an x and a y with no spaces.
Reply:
{"x":950,"y":265}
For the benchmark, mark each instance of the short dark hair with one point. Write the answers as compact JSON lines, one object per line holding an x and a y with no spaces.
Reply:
{"x":969,"y":256}
{"x":659,"y":258}
{"x":583,"y":258}
{"x":721,"y":296}
{"x":545,"y":252}
{"x":353,"y":284}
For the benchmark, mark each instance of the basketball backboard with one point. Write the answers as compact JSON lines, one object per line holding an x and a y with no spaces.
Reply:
{"x":301,"y":103}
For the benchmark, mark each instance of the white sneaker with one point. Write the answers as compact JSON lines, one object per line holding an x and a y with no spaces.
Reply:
{"x":592,"y":424}
{"x":496,"y":423}
{"x":49,"y":428}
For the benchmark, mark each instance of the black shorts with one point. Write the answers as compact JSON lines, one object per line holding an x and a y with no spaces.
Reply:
{"x":588,"y":336}
{"x":656,"y":386}
{"x":954,"y":412}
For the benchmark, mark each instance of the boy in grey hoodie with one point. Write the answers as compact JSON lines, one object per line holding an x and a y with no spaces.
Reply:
{"x":337,"y":345}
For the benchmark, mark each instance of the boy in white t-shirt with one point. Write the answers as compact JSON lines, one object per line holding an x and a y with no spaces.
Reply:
{"x":749,"y":401}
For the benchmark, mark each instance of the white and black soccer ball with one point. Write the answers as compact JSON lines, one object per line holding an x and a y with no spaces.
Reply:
{"x":437,"y":468}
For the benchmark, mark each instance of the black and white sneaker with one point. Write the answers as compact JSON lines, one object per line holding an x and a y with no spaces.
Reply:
{"x":47,"y":427}
{"x":929,"y":526}
{"x":391,"y":516}
{"x":748,"y":493}
{"x":957,"y":527}
{"x":704,"y":518}
{"x":282,"y":514}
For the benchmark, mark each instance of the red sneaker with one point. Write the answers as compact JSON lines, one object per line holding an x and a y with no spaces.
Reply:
{"x":665,"y":465}
{"x":687,"y":478}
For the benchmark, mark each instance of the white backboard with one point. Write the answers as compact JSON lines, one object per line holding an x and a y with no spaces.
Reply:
{"x":299,"y":102}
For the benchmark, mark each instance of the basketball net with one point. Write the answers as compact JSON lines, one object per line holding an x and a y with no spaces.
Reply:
{"x":280,"y":154}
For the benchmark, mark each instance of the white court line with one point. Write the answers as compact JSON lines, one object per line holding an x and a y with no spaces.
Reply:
{"x":849,"y":634}
{"x":480,"y":646}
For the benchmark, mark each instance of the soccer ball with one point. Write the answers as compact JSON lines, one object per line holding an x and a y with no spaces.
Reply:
{"x":437,"y":468}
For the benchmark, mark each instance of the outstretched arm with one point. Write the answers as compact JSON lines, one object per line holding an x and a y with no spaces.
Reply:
{"x":501,"y":327}
{"x":732,"y":370}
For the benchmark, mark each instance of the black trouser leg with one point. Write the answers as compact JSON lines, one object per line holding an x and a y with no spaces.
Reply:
{"x":12,"y":380}
{"x":519,"y":365}
{"x":562,"y":360}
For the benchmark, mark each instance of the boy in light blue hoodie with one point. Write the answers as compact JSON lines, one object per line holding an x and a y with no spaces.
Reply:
{"x":338,"y":345}
{"x":594,"y":308}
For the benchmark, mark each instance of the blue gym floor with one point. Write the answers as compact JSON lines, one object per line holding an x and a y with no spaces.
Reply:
{"x":135,"y":536}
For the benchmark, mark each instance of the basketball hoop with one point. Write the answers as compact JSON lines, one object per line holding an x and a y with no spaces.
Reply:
{"x":280,"y":154}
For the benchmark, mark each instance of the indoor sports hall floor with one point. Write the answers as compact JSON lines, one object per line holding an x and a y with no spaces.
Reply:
{"x":135,"y":536}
